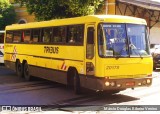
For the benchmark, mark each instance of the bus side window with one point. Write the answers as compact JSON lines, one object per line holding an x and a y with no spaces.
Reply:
{"x":71,"y":37}
{"x":63,"y":33}
{"x":17,"y":36}
{"x":9,"y":36}
{"x":90,"y":43}
{"x":26,"y":36}
{"x":35,"y":35}
{"x":46,"y":34}
{"x":80,"y":34}
{"x":56,"y":37}
{"x":59,"y":34}
{"x":75,"y":34}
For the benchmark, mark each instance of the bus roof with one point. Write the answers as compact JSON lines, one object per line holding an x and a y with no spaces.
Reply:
{"x":79,"y":20}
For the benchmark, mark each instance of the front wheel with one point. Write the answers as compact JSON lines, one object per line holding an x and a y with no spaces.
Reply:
{"x":26,"y":72}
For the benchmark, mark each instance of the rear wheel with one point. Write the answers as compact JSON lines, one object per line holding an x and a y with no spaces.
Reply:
{"x":19,"y":69}
{"x":76,"y":85}
{"x":26,"y":72}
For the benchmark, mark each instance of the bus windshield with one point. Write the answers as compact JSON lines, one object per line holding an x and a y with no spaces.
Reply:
{"x":123,"y":40}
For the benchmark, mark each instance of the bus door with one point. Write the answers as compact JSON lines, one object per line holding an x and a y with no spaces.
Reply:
{"x":90,"y":51}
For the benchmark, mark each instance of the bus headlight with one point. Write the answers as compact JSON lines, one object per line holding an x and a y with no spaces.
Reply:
{"x":118,"y":85}
{"x":107,"y":83}
{"x":148,"y":81}
{"x":139,"y":84}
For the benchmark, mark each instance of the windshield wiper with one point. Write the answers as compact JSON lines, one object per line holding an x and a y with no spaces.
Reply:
{"x":117,"y":56}
{"x":137,"y":53}
{"x":140,"y":55}
{"x":133,"y":47}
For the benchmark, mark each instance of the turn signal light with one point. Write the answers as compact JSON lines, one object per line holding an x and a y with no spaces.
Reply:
{"x":113,"y":84}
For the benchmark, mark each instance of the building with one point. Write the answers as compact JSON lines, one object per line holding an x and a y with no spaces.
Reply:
{"x":147,"y":9}
{"x":22,"y":15}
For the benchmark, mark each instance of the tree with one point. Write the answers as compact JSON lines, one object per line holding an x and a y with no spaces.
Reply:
{"x":7,"y":14}
{"x":49,"y":9}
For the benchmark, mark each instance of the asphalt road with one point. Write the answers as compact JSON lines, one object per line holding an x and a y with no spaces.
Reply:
{"x":54,"y":96}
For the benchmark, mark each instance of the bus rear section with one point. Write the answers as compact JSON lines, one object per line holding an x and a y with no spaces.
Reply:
{"x":1,"y":46}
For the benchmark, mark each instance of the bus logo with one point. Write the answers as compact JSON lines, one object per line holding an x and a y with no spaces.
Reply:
{"x":13,"y":58}
{"x":63,"y":67}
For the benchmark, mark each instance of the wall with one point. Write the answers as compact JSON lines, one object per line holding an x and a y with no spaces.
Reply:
{"x":22,"y":13}
{"x":155,"y":34}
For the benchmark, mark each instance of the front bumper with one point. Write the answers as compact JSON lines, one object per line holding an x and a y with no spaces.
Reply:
{"x":103,"y":84}
{"x":120,"y":84}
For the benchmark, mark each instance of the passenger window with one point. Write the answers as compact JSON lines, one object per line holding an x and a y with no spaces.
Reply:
{"x":26,"y":36}
{"x":71,"y":34}
{"x":9,"y":36}
{"x":59,"y":34}
{"x":36,"y":35}
{"x":46,"y":34}
{"x":80,"y":33}
{"x":75,"y":34}
{"x":17,"y":36}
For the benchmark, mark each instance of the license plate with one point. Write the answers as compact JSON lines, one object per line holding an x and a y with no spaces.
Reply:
{"x":130,"y":84}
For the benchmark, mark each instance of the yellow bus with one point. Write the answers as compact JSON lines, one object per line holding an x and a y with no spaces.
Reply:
{"x":97,"y":52}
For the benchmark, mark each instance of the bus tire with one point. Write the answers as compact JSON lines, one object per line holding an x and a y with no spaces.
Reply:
{"x":26,"y":72}
{"x":70,"y":78}
{"x":19,"y":69}
{"x":76,"y":83}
